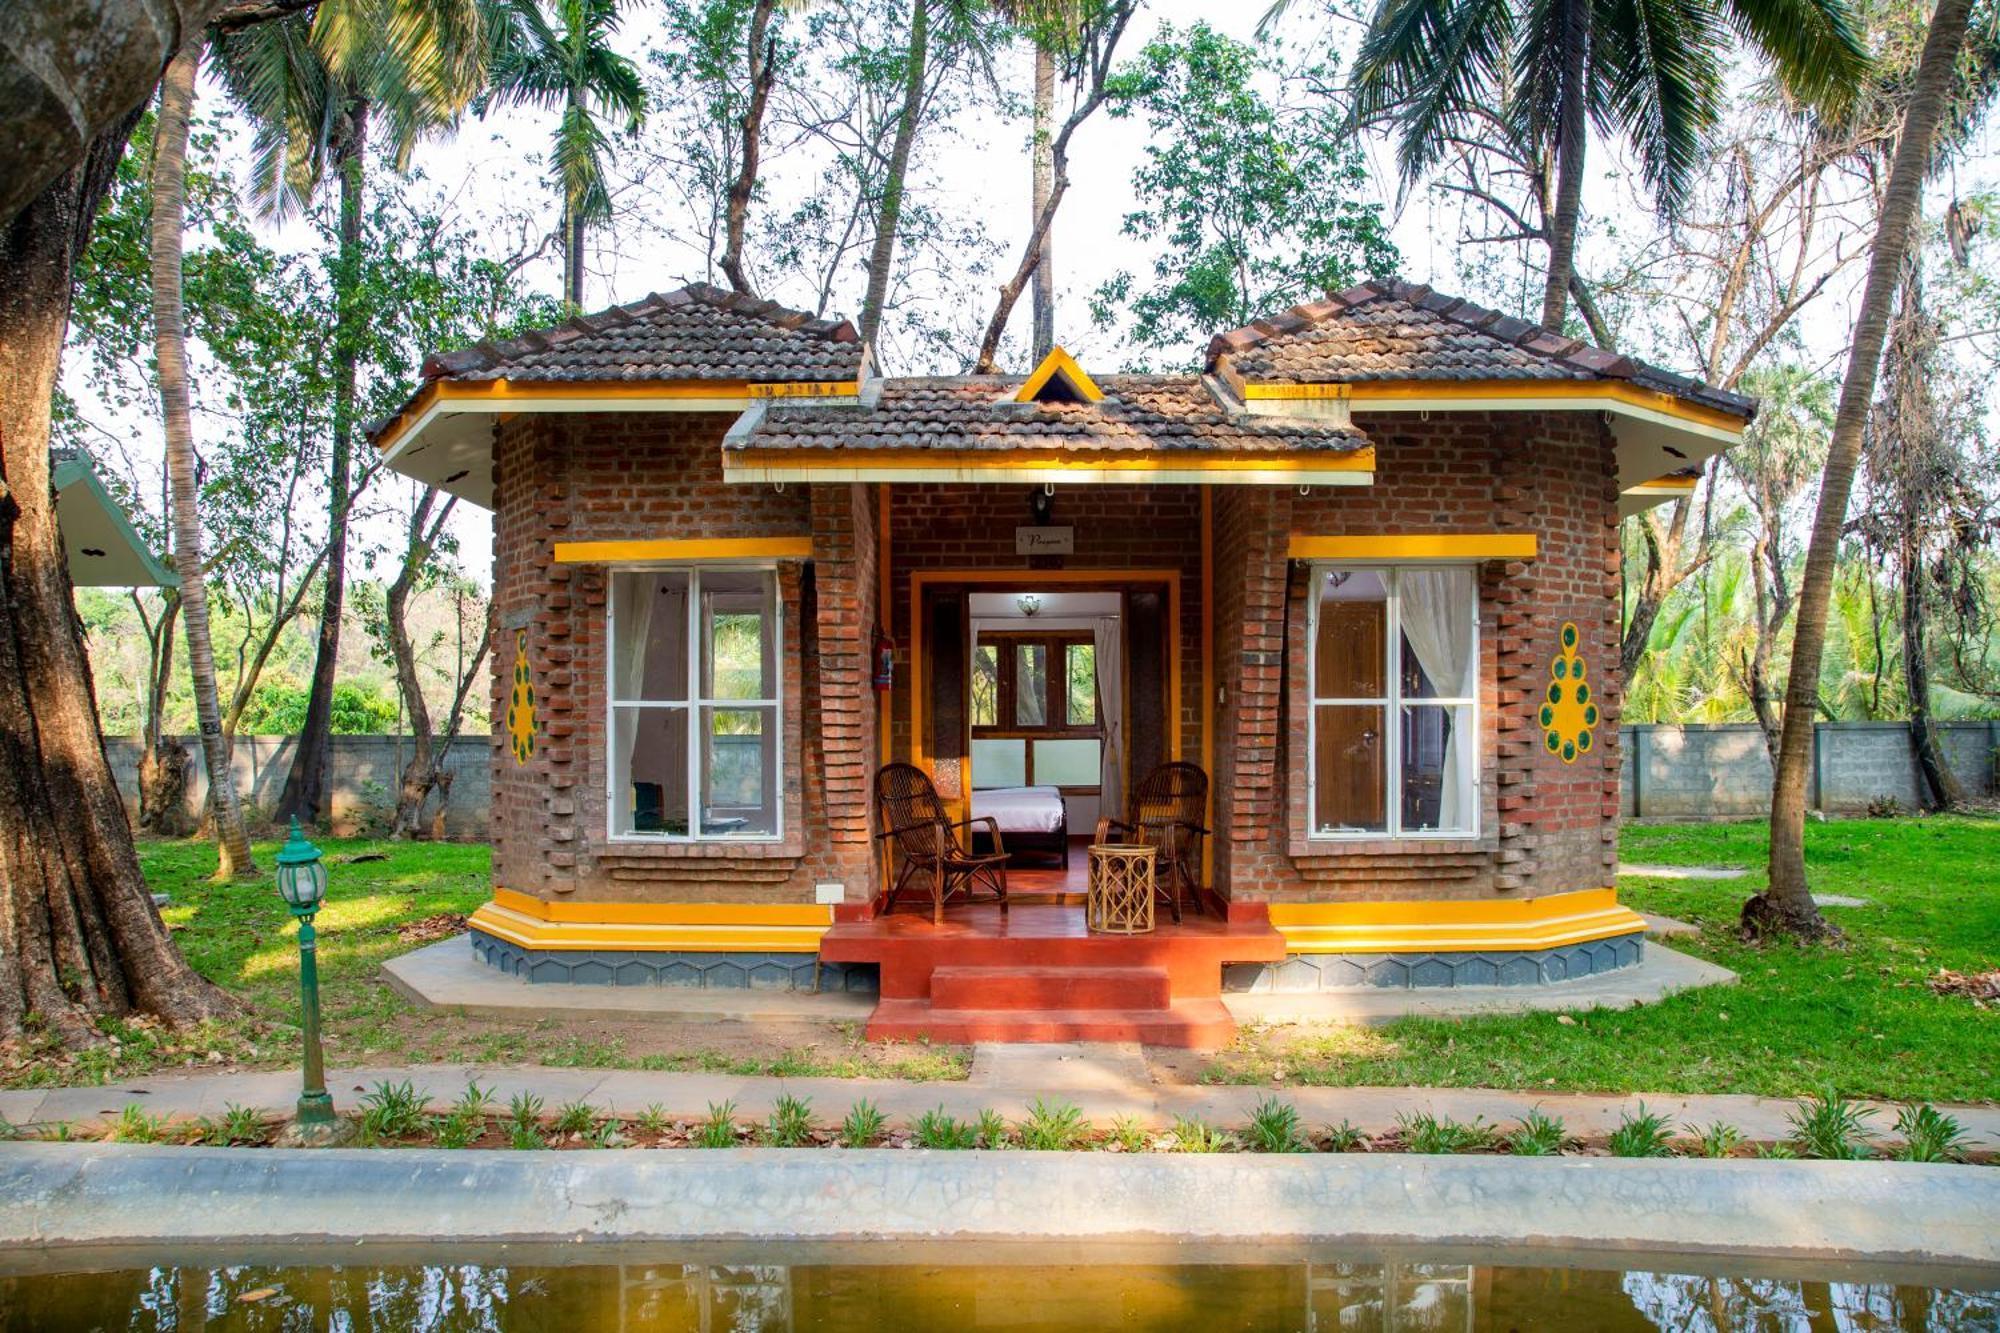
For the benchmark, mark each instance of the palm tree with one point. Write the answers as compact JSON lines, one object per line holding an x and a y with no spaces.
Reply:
{"x":314,"y":84}
{"x":1786,"y":906}
{"x":571,"y":65}
{"x":169,"y":181}
{"x":1538,"y":74}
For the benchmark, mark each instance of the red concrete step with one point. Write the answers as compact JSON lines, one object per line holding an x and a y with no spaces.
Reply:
{"x":1200,"y":1024}
{"x":1065,"y":988}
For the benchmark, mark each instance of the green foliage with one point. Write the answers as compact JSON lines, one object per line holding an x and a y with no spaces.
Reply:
{"x":236,"y":1125}
{"x":1275,"y":1127}
{"x":1427,"y":1133}
{"x":653,"y":1120}
{"x":393,"y":1111}
{"x":134,"y":1125}
{"x":863,"y":1126}
{"x":1192,"y":1134}
{"x":607,"y":1133}
{"x":791,"y":1123}
{"x":1827,"y":1125}
{"x":278,"y":709}
{"x":1053,"y":1127}
{"x":460,"y":1127}
{"x":1345,"y":1137}
{"x":1929,"y":1135}
{"x":1718,"y":1139}
{"x":1537,"y":1135}
{"x":1126,"y":1134}
{"x":575,"y":1117}
{"x":719,"y":1130}
{"x":934,"y":1129}
{"x":1643,"y":1134}
{"x":525,"y":1135}
{"x":992,"y":1130}
{"x":525,"y":1108}
{"x":1254,"y":203}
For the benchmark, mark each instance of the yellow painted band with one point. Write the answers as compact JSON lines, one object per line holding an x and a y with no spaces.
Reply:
{"x":1674,"y":484}
{"x":1008,"y":460}
{"x":507,"y":391}
{"x":1454,"y":926}
{"x":694,"y":548}
{"x":531,"y":933}
{"x":1416,"y":546}
{"x":1060,"y":362}
{"x":1527,"y":391}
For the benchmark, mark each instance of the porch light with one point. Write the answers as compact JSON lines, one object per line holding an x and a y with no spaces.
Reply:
{"x":1029,"y":602}
{"x":301,"y":874}
{"x":302,"y":884}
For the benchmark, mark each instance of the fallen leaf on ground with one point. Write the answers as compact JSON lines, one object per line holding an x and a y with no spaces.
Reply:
{"x":442,"y":926}
{"x":1975,"y":986}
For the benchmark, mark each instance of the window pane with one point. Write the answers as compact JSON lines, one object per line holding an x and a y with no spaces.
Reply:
{"x":1349,"y":769}
{"x":739,"y":772}
{"x":1438,"y":612}
{"x":1350,"y":649}
{"x":1438,"y":754}
{"x":649,"y":623}
{"x":1031,"y":684}
{"x":1075,"y":763}
{"x":738,"y":613}
{"x":997,"y":763}
{"x":985,"y":686}
{"x":1082,"y":697}
{"x":649,"y":771}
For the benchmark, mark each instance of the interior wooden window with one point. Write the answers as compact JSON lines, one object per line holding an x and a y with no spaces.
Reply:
{"x":1034,"y":716}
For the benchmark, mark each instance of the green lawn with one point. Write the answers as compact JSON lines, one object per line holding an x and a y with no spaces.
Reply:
{"x":1860,"y":1019}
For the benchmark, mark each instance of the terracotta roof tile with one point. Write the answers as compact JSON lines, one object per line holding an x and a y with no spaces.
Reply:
{"x":696,"y":333}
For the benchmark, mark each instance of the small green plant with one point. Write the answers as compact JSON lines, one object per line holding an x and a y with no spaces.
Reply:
{"x":459,"y":1127}
{"x":935,"y":1129}
{"x":607,"y":1133}
{"x":1537,"y":1135}
{"x":236,"y":1124}
{"x":1929,"y":1135}
{"x":1427,"y":1133}
{"x":525,"y":1135}
{"x":992,"y":1130}
{"x":791,"y":1123}
{"x":1776,"y":1152}
{"x":1274,"y":1127}
{"x":1191,"y":1134}
{"x":474,"y":1101}
{"x":1642,"y":1135}
{"x":1345,"y":1137}
{"x":1126,"y":1134}
{"x":525,"y":1109}
{"x":653,"y":1120}
{"x":575,"y":1117}
{"x":134,"y":1125}
{"x":863,"y":1126}
{"x":719,"y":1130}
{"x":59,"y":1131}
{"x":1718,"y":1139}
{"x":393,"y":1111}
{"x":8,"y":1129}
{"x":1053,"y":1127}
{"x":1828,"y":1125}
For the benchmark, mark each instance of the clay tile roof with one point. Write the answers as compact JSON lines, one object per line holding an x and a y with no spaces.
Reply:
{"x":697,"y":333}
{"x":1385,"y":329}
{"x":975,"y":412}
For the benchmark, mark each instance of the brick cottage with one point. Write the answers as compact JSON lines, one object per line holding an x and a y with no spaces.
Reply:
{"x":1362,"y":571}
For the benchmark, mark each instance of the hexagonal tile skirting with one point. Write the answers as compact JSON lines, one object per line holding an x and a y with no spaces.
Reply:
{"x":612,"y":967}
{"x":1413,"y":971}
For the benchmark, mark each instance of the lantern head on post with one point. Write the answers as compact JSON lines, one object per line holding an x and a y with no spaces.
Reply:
{"x":301,"y":876}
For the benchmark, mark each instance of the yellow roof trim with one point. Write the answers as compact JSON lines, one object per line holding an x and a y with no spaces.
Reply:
{"x":1444,"y":394}
{"x":1416,"y":546}
{"x":1059,"y":362}
{"x":690,"y":548}
{"x":1009,"y":460}
{"x":1668,"y":485}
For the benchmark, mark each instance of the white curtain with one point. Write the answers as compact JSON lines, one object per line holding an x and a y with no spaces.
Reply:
{"x":1107,"y":633}
{"x":1439,"y":610}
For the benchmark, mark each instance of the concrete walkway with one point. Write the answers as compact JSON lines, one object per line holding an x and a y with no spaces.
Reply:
{"x":1105,"y":1082}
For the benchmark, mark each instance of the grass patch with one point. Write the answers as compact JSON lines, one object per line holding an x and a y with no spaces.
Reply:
{"x":1860,"y":1021}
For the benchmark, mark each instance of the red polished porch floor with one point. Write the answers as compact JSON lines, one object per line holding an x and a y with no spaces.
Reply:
{"x":1035,"y":973}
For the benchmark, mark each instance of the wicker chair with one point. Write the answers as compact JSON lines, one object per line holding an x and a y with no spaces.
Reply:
{"x":1165,"y":811}
{"x":920,"y":828}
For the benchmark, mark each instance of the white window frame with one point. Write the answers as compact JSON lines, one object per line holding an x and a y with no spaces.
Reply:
{"x":693,"y":704}
{"x":1391,"y":704}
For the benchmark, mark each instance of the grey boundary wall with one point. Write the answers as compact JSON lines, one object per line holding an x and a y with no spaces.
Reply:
{"x":1723,"y":772}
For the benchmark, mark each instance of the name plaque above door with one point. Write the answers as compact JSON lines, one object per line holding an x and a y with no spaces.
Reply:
{"x":1045,"y":541}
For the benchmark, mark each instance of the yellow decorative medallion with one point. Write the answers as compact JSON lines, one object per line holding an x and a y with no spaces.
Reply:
{"x":1568,"y":713}
{"x":521,"y":704}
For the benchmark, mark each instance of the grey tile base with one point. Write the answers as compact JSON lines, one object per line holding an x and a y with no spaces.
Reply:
{"x":1411,"y":971}
{"x":624,"y":967}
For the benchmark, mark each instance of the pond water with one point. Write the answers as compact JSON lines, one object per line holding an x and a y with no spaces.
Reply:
{"x":970,"y":1287}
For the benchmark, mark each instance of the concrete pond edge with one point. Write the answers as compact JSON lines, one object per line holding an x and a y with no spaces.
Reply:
{"x":62,"y":1195}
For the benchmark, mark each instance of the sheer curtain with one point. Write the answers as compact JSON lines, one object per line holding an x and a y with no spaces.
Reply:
{"x":1107,"y":634}
{"x":1439,"y":612}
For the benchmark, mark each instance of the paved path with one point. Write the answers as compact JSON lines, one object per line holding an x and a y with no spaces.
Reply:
{"x":1104,"y":1082}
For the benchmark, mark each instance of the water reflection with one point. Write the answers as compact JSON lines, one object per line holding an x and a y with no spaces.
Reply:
{"x":750,"y":1298}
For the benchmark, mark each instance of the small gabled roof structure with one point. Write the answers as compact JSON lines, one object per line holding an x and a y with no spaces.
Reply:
{"x":698,"y":349}
{"x":102,"y":548}
{"x":1059,"y":379}
{"x":1387,"y":346}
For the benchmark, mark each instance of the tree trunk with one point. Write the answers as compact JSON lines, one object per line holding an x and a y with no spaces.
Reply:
{"x":1572,"y":130}
{"x":1786,"y":907}
{"x":1044,"y":179}
{"x":304,"y":792}
{"x":881,"y":258}
{"x":763,"y":69}
{"x":170,"y":350}
{"x":420,"y":773}
{"x":79,"y":937}
{"x":1941,"y":789}
{"x":163,"y":761}
{"x":573,"y":262}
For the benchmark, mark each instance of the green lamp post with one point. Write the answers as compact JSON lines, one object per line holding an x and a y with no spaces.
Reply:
{"x":302,"y":884}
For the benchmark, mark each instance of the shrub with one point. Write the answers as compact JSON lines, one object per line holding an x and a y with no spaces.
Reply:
{"x":1537,"y":1135}
{"x":1426,"y":1133}
{"x":1190,"y":1134}
{"x":1929,"y":1135}
{"x":935,"y":1129}
{"x":393,"y":1111}
{"x":1642,"y":1135}
{"x":719,"y":1130}
{"x":1056,"y":1128}
{"x":1717,"y":1140}
{"x":1274,"y":1127}
{"x":1827,"y":1125}
{"x":791,"y":1123}
{"x":863,"y":1126}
